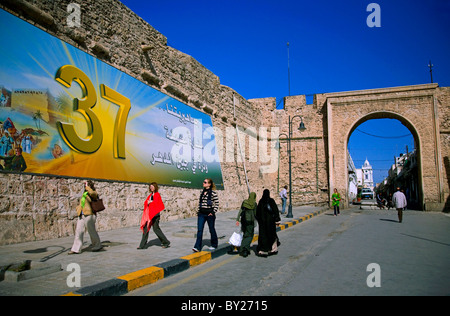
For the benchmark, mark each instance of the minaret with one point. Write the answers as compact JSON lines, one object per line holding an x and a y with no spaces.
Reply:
{"x":367,"y":173}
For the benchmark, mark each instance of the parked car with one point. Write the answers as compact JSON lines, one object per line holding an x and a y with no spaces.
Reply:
{"x":367,"y":193}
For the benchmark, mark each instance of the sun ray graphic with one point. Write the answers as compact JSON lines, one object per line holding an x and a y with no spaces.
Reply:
{"x":30,"y":65}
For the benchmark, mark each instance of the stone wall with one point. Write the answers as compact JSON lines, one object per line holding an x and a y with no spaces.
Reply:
{"x":309,"y":165}
{"x":36,"y":207}
{"x":443,"y":106}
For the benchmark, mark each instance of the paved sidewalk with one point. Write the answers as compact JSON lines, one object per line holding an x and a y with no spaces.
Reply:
{"x":120,"y":257}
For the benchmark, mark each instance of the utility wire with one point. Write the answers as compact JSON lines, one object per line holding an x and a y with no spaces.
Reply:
{"x":408,"y":135}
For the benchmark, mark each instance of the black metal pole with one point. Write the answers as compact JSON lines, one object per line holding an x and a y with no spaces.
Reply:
{"x":289,"y":215}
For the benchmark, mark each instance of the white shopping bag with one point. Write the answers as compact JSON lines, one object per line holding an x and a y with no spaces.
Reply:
{"x":236,"y":239}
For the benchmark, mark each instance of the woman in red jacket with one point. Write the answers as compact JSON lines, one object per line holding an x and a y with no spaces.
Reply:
{"x":153,"y":205}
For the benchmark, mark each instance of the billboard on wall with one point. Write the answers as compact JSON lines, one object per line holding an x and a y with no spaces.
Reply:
{"x":74,"y":115}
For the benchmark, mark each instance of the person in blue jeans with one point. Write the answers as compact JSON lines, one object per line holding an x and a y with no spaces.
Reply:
{"x":207,"y":209}
{"x":283,"y":195}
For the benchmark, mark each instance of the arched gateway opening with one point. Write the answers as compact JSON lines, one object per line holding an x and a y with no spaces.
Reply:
{"x":416,"y":107}
{"x":401,"y":170}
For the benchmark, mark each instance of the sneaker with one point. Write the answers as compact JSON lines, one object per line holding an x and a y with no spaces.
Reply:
{"x":194,"y":249}
{"x":212,"y":248}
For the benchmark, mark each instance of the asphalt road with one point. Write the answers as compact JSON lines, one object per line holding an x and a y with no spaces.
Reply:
{"x":360,"y":252}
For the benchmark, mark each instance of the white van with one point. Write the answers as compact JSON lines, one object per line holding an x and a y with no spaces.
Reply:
{"x":366,"y":193}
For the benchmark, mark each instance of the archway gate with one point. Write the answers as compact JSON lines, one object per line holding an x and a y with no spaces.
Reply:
{"x":417,"y":107}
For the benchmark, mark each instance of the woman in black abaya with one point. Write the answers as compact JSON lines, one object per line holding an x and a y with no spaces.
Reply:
{"x":268,"y":218}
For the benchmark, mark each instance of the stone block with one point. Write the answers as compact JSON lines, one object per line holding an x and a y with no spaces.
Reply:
{"x":30,"y":270}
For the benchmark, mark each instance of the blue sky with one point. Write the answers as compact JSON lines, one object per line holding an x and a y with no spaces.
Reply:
{"x":332,"y":49}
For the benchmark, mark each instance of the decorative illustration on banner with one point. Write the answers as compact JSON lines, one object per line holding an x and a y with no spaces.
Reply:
{"x":63,"y":112}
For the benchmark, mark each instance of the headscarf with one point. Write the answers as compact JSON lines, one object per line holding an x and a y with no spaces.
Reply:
{"x":266,"y":195}
{"x":250,"y":203}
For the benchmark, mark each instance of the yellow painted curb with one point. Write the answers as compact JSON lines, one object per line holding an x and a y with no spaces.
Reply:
{"x":71,"y":294}
{"x":143,"y":277}
{"x":198,"y":258}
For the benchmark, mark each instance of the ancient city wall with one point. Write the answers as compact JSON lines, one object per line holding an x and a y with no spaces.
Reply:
{"x":309,"y":165}
{"x":442,"y":100}
{"x":36,"y":207}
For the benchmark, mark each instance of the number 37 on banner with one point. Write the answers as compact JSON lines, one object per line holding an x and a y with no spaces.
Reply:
{"x":65,"y":76}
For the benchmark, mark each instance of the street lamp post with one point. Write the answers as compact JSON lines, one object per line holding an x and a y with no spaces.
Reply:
{"x":300,"y":128}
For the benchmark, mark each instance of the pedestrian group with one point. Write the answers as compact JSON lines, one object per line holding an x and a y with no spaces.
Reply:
{"x":265,"y":213}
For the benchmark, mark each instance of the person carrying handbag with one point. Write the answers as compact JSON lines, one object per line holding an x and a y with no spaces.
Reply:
{"x":246,"y":217}
{"x":86,"y":220}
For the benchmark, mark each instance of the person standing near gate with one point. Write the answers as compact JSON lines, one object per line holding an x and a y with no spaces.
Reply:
{"x":283,"y":195}
{"x":399,"y":200}
{"x":336,"y":199}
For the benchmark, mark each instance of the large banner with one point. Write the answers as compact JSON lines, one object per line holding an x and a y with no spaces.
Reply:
{"x":66,"y":113}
